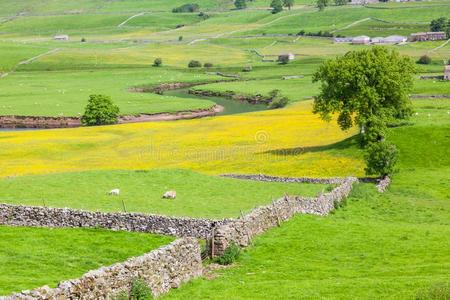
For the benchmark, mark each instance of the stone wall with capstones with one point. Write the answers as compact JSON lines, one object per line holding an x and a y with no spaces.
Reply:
{"x":241,"y":231}
{"x":162,"y":269}
{"x":17,"y":215}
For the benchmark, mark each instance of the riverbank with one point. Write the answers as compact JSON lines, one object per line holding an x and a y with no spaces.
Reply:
{"x":32,"y":122}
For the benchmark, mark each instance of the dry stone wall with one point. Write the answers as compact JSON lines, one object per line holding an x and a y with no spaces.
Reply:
{"x":383,"y":184}
{"x":162,"y":269}
{"x":180,"y":261}
{"x":244,"y":229}
{"x":268,"y":178}
{"x":16,"y":215}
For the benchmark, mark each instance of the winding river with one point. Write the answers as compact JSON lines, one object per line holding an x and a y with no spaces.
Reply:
{"x":230,"y":107}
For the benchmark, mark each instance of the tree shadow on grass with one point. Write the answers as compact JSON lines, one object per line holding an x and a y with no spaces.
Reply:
{"x":351,"y":142}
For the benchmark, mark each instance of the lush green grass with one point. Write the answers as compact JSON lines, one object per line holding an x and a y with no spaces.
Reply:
{"x":33,"y":257}
{"x":378,"y":246}
{"x":197,"y":195}
{"x":65,"y":93}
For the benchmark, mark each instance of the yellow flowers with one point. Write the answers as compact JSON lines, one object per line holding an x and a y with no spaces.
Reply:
{"x":275,"y":142}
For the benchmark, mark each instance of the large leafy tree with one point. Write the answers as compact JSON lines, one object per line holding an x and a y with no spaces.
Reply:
{"x":277,"y":6}
{"x":368,"y":88}
{"x":100,"y":110}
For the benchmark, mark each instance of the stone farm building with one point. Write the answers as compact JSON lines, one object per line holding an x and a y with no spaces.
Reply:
{"x":362,"y":2}
{"x":61,"y":37}
{"x":427,"y":36}
{"x":361,"y":40}
{"x":394,"y":39}
{"x":343,"y":39}
{"x":447,"y":72}
{"x":288,"y":56}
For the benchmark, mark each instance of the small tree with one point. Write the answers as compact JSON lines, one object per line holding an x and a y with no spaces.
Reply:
{"x":439,"y":24}
{"x":288,"y":3}
{"x":100,"y":110}
{"x":194,"y":64}
{"x":240,"y":4}
{"x":157,"y":62}
{"x":368,"y":88}
{"x":207,"y":65}
{"x":277,"y":100}
{"x":190,"y":7}
{"x":321,"y":4}
{"x":277,"y":6}
{"x":424,"y":60}
{"x":381,"y":158}
{"x":180,"y":38}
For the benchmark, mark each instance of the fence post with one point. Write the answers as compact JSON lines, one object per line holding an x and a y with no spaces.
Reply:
{"x":213,"y":233}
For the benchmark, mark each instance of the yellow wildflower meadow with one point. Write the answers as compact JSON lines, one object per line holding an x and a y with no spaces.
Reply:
{"x":273,"y":142}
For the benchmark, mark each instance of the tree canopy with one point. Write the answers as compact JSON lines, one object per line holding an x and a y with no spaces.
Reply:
{"x":240,"y":4}
{"x":277,"y":6}
{"x":100,"y":110}
{"x":368,"y":88}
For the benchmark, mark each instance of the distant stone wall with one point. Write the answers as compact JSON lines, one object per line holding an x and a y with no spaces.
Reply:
{"x":162,"y":269}
{"x":16,"y":215}
{"x":38,"y":122}
{"x":244,"y":229}
{"x":268,"y":178}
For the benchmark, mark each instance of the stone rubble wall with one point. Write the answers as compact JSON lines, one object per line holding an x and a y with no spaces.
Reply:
{"x":268,"y":178}
{"x":178,"y":262}
{"x":383,"y":184}
{"x":244,"y":229}
{"x":162,"y":269}
{"x":17,"y":215}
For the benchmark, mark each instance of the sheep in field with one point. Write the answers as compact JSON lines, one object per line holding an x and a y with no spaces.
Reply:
{"x":114,"y":192}
{"x":170,"y":195}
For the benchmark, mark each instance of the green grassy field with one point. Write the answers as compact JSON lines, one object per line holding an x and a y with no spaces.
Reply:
{"x":33,"y":257}
{"x":197,"y":195}
{"x":378,"y":246}
{"x":387,"y":245}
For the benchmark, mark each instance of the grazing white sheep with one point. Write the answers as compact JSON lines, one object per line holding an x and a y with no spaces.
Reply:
{"x":114,"y":192}
{"x":170,"y":195}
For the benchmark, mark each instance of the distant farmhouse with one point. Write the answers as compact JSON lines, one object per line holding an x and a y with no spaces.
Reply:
{"x":427,"y":36}
{"x":287,"y":56}
{"x":447,"y":72}
{"x":364,"y":2}
{"x":393,"y":39}
{"x":361,"y":40}
{"x":61,"y":37}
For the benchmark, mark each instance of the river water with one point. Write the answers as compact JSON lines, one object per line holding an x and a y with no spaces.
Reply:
{"x":231,"y":107}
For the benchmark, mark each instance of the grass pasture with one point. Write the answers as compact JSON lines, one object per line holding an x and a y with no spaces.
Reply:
{"x":389,"y":245}
{"x":33,"y":257}
{"x":141,"y":191}
{"x":376,"y":246}
{"x":290,"y":141}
